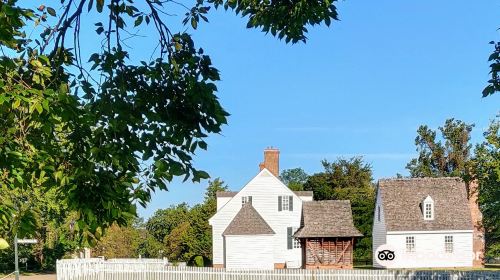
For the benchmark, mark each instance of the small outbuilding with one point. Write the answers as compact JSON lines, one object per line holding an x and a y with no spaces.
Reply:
{"x":247,"y":238}
{"x":427,"y":222}
{"x":327,"y":234}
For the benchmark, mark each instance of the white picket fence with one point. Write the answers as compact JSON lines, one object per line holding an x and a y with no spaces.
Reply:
{"x":97,"y":269}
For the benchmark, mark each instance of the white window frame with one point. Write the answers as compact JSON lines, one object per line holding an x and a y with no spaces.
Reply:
{"x":448,"y":244}
{"x":296,"y":241}
{"x":428,"y":209}
{"x":285,"y":203}
{"x":410,"y":244}
{"x":244,"y":200}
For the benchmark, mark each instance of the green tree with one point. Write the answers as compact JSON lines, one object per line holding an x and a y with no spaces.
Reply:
{"x":164,"y":221}
{"x":487,"y":172}
{"x":201,"y":232}
{"x":109,"y":133}
{"x":446,"y":156}
{"x":149,"y":247}
{"x":294,"y":178}
{"x":46,"y":220}
{"x":118,"y":242}
{"x":349,"y":179}
{"x":177,"y":242}
{"x":494,"y":81}
{"x":184,"y":231}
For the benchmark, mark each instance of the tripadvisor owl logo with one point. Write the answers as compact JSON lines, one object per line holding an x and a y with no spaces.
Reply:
{"x":385,"y":255}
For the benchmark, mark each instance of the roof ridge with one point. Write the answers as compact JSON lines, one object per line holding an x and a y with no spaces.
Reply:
{"x":421,"y":178}
{"x":328,"y":200}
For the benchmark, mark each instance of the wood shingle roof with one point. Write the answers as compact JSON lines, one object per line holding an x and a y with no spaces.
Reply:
{"x":402,"y":198}
{"x":327,"y":218}
{"x":248,"y":222}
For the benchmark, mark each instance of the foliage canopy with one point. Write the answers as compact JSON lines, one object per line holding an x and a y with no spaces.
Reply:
{"x":447,"y":157}
{"x":108,"y":134}
{"x":294,"y":178}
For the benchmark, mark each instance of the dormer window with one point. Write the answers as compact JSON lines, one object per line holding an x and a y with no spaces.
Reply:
{"x":428,"y":209}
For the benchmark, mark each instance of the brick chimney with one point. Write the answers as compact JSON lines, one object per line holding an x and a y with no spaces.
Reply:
{"x":271,"y":161}
{"x":478,"y":246}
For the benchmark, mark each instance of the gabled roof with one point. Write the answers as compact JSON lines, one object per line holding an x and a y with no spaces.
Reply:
{"x":402,"y":198}
{"x":231,"y":194}
{"x":264,"y":173}
{"x":327,"y":218}
{"x":248,"y":222}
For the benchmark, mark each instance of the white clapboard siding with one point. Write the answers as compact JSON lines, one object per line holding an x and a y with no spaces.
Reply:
{"x":430,"y":250}
{"x":265,"y":189}
{"x":221,"y":201}
{"x":379,"y":230}
{"x":249,"y":251}
{"x":102,"y":270}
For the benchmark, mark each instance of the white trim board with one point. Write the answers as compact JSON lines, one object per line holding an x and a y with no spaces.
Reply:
{"x":429,"y":232}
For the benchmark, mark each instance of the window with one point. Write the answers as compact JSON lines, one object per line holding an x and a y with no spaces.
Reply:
{"x":285,"y":203}
{"x":296,"y":241}
{"x":410,"y":244}
{"x":428,"y":209}
{"x":292,"y":242}
{"x":378,"y":213}
{"x":448,"y":243}
{"x":245,"y":200}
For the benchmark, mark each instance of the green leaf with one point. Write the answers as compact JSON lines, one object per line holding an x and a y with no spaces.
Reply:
{"x":45,"y":104}
{"x":100,"y":5}
{"x":16,"y":103}
{"x":51,"y":11}
{"x":99,"y":30}
{"x":138,"y":21}
{"x":202,"y":145}
{"x":39,"y":108}
{"x":194,"y":23}
{"x":199,"y":174}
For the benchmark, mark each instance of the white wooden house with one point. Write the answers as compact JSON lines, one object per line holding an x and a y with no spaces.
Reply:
{"x":425,"y":222}
{"x":254,"y":228}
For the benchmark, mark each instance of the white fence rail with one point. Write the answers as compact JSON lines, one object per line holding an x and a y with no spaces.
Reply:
{"x":96,"y":269}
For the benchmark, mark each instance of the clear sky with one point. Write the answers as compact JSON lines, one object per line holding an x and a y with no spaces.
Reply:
{"x":360,"y":87}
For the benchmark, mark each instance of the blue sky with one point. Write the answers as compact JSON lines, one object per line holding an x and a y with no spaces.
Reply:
{"x":360,"y":87}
